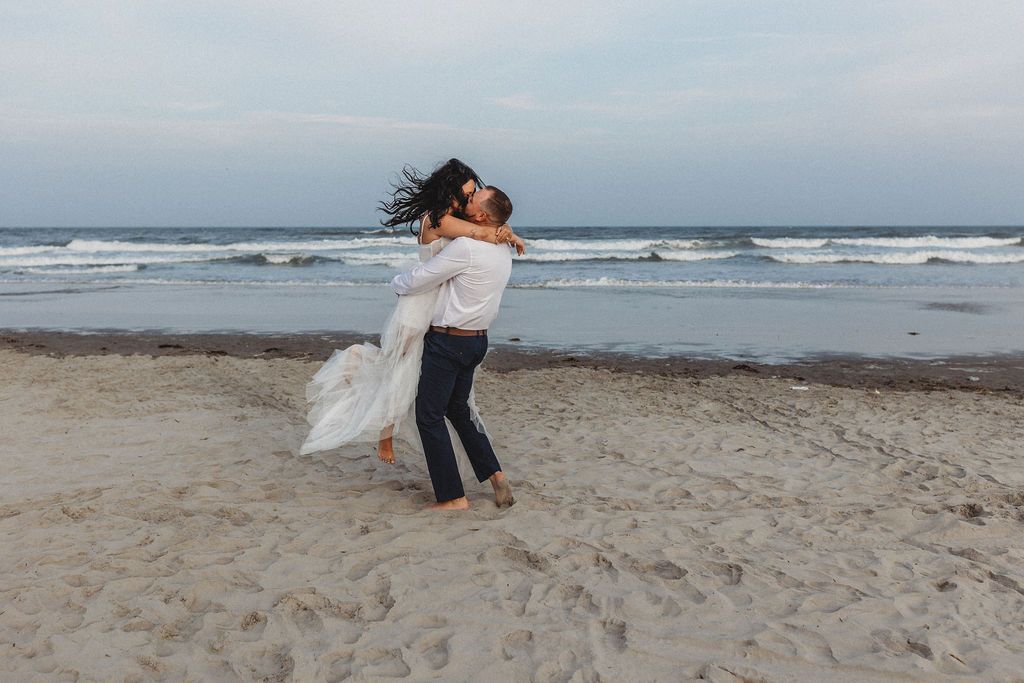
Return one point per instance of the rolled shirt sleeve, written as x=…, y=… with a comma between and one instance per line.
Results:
x=452, y=260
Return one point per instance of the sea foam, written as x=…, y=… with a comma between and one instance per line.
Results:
x=901, y=258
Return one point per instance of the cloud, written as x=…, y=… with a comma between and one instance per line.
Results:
x=195, y=107
x=204, y=127
x=522, y=101
x=634, y=105
x=344, y=121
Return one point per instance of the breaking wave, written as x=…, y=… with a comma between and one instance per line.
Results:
x=901, y=258
x=890, y=242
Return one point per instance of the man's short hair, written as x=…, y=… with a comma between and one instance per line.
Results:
x=497, y=205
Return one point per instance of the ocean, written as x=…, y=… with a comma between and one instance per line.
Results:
x=766, y=293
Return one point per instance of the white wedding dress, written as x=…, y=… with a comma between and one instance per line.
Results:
x=364, y=389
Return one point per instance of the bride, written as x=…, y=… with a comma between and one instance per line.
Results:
x=367, y=393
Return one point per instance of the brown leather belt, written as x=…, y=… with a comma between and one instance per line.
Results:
x=459, y=332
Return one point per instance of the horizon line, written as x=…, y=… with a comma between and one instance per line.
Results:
x=522, y=226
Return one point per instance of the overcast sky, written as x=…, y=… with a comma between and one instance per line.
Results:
x=746, y=112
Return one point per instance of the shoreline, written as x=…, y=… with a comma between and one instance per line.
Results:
x=1002, y=374
x=769, y=326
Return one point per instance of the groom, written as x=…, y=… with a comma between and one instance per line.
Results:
x=472, y=275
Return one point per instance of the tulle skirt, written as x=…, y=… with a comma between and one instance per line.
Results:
x=365, y=392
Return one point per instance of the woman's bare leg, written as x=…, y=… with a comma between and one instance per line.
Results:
x=384, y=449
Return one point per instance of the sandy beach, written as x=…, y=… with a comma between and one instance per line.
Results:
x=843, y=520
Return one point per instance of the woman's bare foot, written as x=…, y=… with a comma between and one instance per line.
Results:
x=385, y=452
x=454, y=504
x=502, y=490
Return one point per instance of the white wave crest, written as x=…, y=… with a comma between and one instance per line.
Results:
x=695, y=255
x=615, y=245
x=902, y=258
x=560, y=256
x=622, y=282
x=889, y=242
x=130, y=268
x=22, y=251
x=929, y=241
x=100, y=246
x=788, y=243
x=285, y=259
x=203, y=283
x=377, y=258
x=554, y=256
x=79, y=260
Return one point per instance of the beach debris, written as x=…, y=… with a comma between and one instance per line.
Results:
x=974, y=379
x=744, y=366
x=912, y=334
x=800, y=388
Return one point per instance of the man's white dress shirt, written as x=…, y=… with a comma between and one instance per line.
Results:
x=472, y=275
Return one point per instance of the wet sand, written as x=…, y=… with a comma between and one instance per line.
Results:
x=1002, y=374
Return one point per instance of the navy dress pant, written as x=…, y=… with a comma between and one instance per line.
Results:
x=446, y=378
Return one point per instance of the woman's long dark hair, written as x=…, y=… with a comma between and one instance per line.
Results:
x=431, y=195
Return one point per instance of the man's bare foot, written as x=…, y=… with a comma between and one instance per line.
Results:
x=385, y=452
x=502, y=490
x=454, y=504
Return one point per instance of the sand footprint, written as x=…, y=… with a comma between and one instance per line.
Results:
x=379, y=603
x=722, y=673
x=593, y=564
x=433, y=647
x=644, y=605
x=608, y=636
x=71, y=616
x=252, y=625
x=648, y=572
x=826, y=598
x=575, y=597
x=900, y=644
x=570, y=665
x=305, y=618
x=728, y=573
x=380, y=663
x=308, y=610
x=525, y=559
x=361, y=569
x=667, y=491
x=688, y=592
x=337, y=666
x=265, y=664
x=514, y=595
x=811, y=645
x=517, y=645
